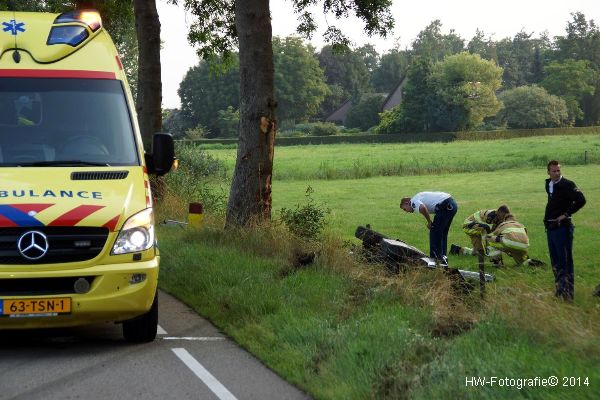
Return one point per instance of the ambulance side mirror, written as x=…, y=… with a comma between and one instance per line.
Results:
x=162, y=158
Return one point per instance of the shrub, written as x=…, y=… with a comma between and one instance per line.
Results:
x=350, y=130
x=390, y=121
x=191, y=180
x=532, y=107
x=304, y=128
x=324, y=129
x=196, y=133
x=305, y=221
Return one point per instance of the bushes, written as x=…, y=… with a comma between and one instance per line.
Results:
x=305, y=221
x=312, y=129
x=324, y=129
x=529, y=107
x=390, y=122
x=196, y=133
x=191, y=180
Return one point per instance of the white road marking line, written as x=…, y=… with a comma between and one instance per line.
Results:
x=206, y=377
x=160, y=330
x=200, y=338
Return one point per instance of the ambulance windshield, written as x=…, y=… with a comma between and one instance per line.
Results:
x=54, y=122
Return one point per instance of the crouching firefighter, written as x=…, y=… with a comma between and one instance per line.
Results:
x=510, y=237
x=476, y=226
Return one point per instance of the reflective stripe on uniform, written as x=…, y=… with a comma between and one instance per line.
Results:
x=514, y=245
x=514, y=230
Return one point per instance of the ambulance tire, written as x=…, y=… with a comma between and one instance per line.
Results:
x=142, y=329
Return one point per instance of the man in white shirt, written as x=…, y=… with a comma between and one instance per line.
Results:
x=443, y=206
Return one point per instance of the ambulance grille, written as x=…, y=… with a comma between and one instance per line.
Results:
x=98, y=175
x=66, y=244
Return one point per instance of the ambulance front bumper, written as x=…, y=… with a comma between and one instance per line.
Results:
x=117, y=292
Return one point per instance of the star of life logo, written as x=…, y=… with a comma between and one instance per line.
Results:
x=13, y=27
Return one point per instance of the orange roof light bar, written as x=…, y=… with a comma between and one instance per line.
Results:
x=91, y=18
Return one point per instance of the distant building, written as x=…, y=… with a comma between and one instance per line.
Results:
x=339, y=115
x=392, y=100
x=395, y=97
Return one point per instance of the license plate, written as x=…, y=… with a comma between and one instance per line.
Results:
x=35, y=307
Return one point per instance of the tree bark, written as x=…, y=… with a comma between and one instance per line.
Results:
x=149, y=96
x=250, y=194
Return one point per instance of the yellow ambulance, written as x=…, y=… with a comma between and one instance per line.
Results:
x=77, y=242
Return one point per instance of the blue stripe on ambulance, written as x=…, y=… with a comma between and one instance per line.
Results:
x=19, y=217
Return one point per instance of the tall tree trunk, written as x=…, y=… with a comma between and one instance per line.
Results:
x=250, y=194
x=149, y=96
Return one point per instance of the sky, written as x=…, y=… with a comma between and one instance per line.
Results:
x=497, y=19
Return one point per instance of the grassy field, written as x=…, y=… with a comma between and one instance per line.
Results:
x=376, y=201
x=340, y=329
x=355, y=161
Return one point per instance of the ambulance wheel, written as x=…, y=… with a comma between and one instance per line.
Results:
x=142, y=329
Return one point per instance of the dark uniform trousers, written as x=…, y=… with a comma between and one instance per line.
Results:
x=560, y=245
x=438, y=235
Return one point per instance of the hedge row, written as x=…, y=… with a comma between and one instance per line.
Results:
x=416, y=137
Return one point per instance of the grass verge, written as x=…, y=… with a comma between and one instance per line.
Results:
x=342, y=330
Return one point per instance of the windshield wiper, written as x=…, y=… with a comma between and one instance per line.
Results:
x=61, y=163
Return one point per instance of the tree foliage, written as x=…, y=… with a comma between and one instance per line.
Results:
x=346, y=69
x=520, y=58
x=582, y=42
x=215, y=32
x=431, y=43
x=365, y=113
x=390, y=69
x=228, y=122
x=204, y=91
x=483, y=46
x=573, y=81
x=299, y=86
x=413, y=114
x=529, y=107
x=466, y=88
x=299, y=81
x=457, y=93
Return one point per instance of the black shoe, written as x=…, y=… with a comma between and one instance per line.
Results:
x=535, y=263
x=454, y=249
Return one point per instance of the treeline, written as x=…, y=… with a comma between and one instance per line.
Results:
x=447, y=84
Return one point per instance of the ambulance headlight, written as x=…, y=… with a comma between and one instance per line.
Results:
x=137, y=233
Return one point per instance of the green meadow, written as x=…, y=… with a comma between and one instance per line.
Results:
x=355, y=161
x=343, y=329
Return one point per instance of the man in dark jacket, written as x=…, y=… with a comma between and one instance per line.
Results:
x=564, y=200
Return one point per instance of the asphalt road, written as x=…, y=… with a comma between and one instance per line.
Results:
x=190, y=359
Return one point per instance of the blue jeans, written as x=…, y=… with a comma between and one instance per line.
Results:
x=560, y=245
x=438, y=235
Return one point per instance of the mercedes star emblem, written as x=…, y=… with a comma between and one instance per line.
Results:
x=33, y=245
